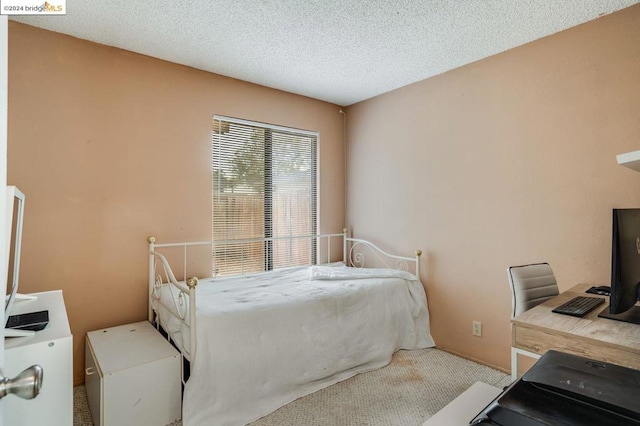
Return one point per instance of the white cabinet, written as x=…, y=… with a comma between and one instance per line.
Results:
x=51, y=348
x=132, y=376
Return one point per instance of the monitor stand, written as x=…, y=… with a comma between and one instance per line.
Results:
x=12, y=332
x=20, y=297
x=632, y=315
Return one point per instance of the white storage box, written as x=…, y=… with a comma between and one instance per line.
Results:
x=132, y=376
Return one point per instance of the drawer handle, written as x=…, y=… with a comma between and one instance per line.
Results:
x=89, y=371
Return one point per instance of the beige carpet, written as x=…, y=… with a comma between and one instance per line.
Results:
x=406, y=392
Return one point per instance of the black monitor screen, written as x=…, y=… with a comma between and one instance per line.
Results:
x=625, y=265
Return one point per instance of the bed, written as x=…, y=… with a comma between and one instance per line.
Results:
x=258, y=341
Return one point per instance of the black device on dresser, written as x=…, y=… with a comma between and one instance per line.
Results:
x=563, y=389
x=33, y=321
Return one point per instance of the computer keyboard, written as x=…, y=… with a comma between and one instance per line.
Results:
x=578, y=306
x=33, y=321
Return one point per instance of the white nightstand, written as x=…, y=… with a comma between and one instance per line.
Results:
x=51, y=348
x=132, y=376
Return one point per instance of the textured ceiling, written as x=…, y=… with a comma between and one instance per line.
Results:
x=340, y=51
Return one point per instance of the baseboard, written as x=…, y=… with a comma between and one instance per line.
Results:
x=478, y=361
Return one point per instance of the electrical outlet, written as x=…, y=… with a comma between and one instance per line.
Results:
x=477, y=328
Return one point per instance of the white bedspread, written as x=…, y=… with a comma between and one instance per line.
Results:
x=267, y=339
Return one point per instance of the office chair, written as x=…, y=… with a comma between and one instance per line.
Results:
x=530, y=285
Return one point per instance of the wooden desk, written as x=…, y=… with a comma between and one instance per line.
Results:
x=538, y=330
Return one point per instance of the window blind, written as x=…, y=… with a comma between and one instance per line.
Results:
x=264, y=186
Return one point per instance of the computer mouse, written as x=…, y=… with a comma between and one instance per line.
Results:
x=602, y=290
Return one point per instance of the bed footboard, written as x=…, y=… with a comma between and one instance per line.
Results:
x=183, y=301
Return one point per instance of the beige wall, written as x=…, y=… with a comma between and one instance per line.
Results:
x=110, y=147
x=506, y=161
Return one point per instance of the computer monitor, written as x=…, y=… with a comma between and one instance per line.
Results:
x=625, y=267
x=15, y=216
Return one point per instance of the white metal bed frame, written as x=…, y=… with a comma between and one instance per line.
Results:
x=354, y=251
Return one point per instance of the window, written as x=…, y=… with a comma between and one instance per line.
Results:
x=264, y=186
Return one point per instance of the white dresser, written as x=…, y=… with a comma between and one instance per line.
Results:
x=51, y=348
x=132, y=376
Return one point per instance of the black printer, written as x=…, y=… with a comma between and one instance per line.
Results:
x=563, y=389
